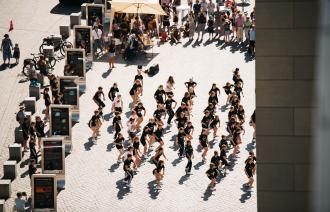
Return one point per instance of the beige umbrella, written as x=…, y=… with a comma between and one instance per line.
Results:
x=137, y=6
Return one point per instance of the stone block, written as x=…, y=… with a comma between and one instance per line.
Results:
x=5, y=189
x=2, y=205
x=303, y=13
x=275, y=42
x=10, y=169
x=275, y=177
x=303, y=120
x=30, y=104
x=99, y=2
x=274, y=121
x=268, y=12
x=302, y=178
x=65, y=31
x=285, y=93
x=34, y=91
x=15, y=152
x=283, y=201
x=75, y=19
x=284, y=149
x=83, y=11
x=304, y=67
x=274, y=68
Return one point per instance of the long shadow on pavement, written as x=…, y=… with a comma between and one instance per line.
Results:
x=62, y=9
x=246, y=194
x=114, y=167
x=89, y=144
x=110, y=146
x=123, y=190
x=207, y=194
x=152, y=189
x=107, y=73
x=176, y=161
x=199, y=164
x=183, y=179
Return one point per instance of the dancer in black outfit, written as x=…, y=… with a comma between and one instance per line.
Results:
x=112, y=92
x=97, y=97
x=128, y=170
x=189, y=155
x=191, y=87
x=212, y=175
x=169, y=108
x=119, y=145
x=203, y=141
x=116, y=123
x=159, y=172
x=223, y=158
x=180, y=141
x=159, y=113
x=215, y=125
x=160, y=95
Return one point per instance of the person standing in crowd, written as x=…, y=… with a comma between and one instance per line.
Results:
x=254, y=125
x=40, y=130
x=128, y=170
x=252, y=36
x=250, y=169
x=203, y=141
x=47, y=102
x=25, y=131
x=210, y=27
x=217, y=22
x=169, y=108
x=169, y=86
x=119, y=140
x=93, y=124
x=97, y=37
x=20, y=115
x=239, y=26
x=226, y=26
x=112, y=54
x=6, y=47
x=247, y=26
x=112, y=92
x=159, y=173
x=97, y=97
x=16, y=53
x=192, y=25
x=21, y=203
x=210, y=8
x=189, y=155
x=117, y=104
x=135, y=91
x=212, y=175
x=201, y=22
x=197, y=8
x=116, y=123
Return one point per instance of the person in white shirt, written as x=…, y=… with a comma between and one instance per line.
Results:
x=97, y=36
x=252, y=36
x=204, y=6
x=131, y=128
x=117, y=104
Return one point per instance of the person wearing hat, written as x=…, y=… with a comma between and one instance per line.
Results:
x=6, y=47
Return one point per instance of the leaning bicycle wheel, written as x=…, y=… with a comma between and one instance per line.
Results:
x=65, y=45
x=41, y=48
x=51, y=62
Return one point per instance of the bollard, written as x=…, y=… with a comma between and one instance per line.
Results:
x=75, y=19
x=83, y=11
x=15, y=152
x=65, y=31
x=2, y=205
x=99, y=2
x=34, y=91
x=19, y=135
x=10, y=169
x=30, y=104
x=5, y=189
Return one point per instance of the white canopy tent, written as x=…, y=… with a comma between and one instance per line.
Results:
x=135, y=6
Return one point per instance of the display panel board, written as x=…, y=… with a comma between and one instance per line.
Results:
x=53, y=156
x=60, y=121
x=44, y=192
x=93, y=12
x=83, y=38
x=69, y=87
x=75, y=63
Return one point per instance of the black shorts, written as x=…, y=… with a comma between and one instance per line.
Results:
x=249, y=174
x=166, y=23
x=252, y=43
x=119, y=146
x=169, y=93
x=143, y=141
x=131, y=134
x=203, y=144
x=132, y=92
x=224, y=162
x=211, y=177
x=118, y=109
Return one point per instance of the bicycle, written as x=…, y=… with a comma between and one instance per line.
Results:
x=50, y=61
x=57, y=42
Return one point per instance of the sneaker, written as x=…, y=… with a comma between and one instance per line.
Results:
x=158, y=188
x=124, y=181
x=189, y=173
x=118, y=161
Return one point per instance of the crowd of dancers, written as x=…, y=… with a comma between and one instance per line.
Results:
x=167, y=113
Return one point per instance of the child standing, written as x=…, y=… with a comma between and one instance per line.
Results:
x=16, y=53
